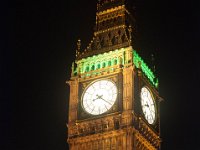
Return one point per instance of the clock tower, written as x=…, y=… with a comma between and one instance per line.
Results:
x=114, y=99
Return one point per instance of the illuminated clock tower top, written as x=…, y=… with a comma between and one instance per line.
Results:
x=113, y=29
x=114, y=102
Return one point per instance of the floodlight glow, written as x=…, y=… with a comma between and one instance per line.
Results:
x=139, y=63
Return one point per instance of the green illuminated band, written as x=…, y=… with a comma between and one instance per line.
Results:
x=100, y=61
x=139, y=63
x=109, y=60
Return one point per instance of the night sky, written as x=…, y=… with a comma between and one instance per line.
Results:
x=38, y=45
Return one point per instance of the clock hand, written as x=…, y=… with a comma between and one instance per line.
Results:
x=95, y=99
x=106, y=101
x=98, y=97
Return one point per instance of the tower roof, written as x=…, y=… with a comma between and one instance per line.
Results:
x=107, y=4
x=113, y=29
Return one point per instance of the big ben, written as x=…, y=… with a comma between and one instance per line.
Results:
x=114, y=100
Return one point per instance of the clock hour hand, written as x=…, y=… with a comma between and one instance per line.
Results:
x=98, y=97
x=95, y=99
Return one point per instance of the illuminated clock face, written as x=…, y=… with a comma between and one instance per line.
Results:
x=148, y=105
x=99, y=97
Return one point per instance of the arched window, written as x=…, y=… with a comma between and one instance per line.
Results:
x=104, y=65
x=87, y=69
x=109, y=63
x=98, y=66
x=93, y=67
x=115, y=62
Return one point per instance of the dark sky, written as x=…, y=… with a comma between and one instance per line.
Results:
x=38, y=45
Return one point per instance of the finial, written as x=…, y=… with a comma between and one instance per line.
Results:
x=153, y=62
x=98, y=4
x=78, y=47
x=130, y=33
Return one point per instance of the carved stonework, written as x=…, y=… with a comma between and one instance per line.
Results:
x=111, y=31
x=109, y=56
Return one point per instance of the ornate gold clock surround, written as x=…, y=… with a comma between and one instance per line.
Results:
x=117, y=107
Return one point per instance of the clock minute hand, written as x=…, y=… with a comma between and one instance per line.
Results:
x=106, y=101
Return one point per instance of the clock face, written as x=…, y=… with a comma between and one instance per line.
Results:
x=148, y=105
x=99, y=97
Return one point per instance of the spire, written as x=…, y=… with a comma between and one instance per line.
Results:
x=107, y=4
x=153, y=63
x=130, y=33
x=114, y=28
x=78, y=47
